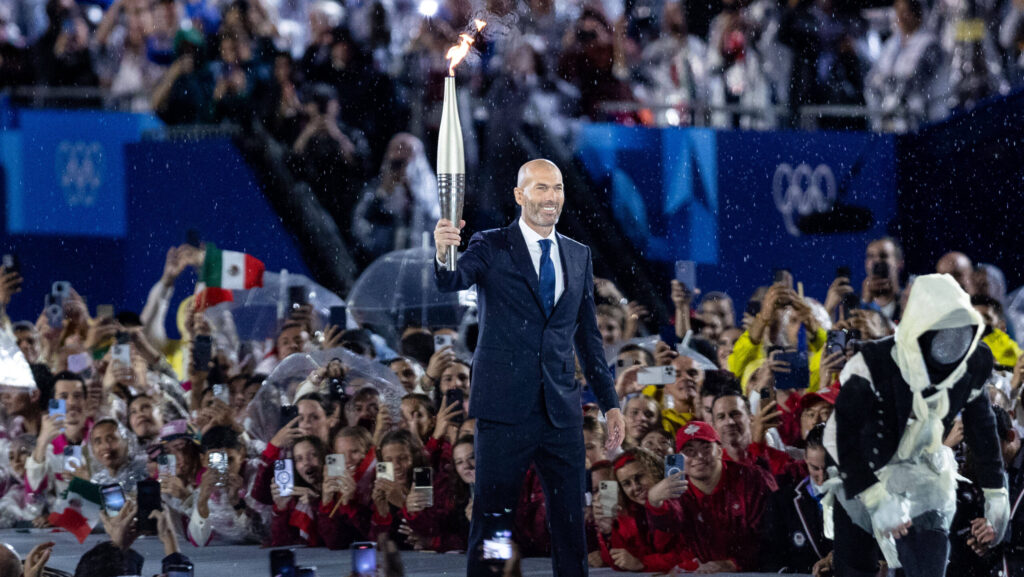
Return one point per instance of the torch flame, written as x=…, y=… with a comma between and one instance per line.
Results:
x=458, y=53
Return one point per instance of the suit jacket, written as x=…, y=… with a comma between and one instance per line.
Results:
x=522, y=353
x=872, y=411
x=793, y=531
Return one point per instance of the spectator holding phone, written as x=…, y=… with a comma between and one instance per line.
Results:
x=717, y=509
x=24, y=411
x=17, y=505
x=743, y=437
x=418, y=416
x=223, y=510
x=179, y=446
x=399, y=453
x=642, y=416
x=46, y=463
x=145, y=420
x=883, y=264
x=293, y=337
x=627, y=541
x=346, y=506
x=294, y=517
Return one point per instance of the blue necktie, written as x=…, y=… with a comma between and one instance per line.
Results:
x=547, y=276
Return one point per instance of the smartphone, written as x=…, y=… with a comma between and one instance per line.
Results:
x=386, y=471
x=782, y=276
x=167, y=464
x=336, y=390
x=113, y=497
x=766, y=394
x=364, y=559
x=836, y=342
x=217, y=461
x=851, y=302
x=442, y=341
x=282, y=563
x=105, y=311
x=54, y=311
x=499, y=547
x=423, y=482
x=61, y=290
x=339, y=317
x=674, y=464
x=288, y=414
x=179, y=570
x=880, y=269
x=79, y=363
x=608, y=495
x=72, y=458
x=753, y=308
x=336, y=465
x=657, y=376
x=457, y=397
x=843, y=272
x=284, y=476
x=192, y=237
x=298, y=296
x=58, y=407
x=686, y=273
x=148, y=495
x=799, y=374
x=121, y=353
x=10, y=263
x=202, y=352
x=222, y=393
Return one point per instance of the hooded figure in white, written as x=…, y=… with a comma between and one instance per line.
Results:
x=899, y=397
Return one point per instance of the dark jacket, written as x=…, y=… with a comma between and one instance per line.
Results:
x=793, y=535
x=521, y=352
x=872, y=411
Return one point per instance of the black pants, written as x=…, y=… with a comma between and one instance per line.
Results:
x=503, y=455
x=923, y=552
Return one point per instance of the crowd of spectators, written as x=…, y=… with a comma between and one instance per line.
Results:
x=750, y=389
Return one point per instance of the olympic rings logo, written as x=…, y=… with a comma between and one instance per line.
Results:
x=804, y=190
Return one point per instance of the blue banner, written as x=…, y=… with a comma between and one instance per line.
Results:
x=70, y=177
x=742, y=203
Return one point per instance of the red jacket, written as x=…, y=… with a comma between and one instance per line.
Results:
x=659, y=551
x=349, y=524
x=295, y=525
x=783, y=469
x=724, y=525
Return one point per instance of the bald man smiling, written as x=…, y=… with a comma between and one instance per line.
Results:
x=535, y=292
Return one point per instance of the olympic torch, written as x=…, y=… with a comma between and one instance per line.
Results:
x=451, y=158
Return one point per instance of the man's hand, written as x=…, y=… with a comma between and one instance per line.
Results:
x=439, y=363
x=983, y=536
x=823, y=566
x=767, y=417
x=616, y=430
x=444, y=419
x=37, y=558
x=446, y=235
x=671, y=487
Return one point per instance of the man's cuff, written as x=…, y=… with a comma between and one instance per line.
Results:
x=438, y=262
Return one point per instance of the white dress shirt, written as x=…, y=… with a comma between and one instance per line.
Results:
x=533, y=244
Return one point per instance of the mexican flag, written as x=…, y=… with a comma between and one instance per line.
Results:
x=78, y=510
x=230, y=270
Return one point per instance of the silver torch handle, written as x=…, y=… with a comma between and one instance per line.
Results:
x=451, y=190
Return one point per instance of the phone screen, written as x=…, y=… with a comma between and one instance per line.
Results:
x=202, y=352
x=456, y=397
x=113, y=498
x=364, y=559
x=423, y=477
x=339, y=317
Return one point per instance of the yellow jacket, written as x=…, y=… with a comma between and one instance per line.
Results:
x=1004, y=350
x=746, y=357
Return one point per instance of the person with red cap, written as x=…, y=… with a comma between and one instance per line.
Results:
x=627, y=541
x=816, y=408
x=717, y=508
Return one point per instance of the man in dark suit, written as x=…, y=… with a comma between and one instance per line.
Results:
x=535, y=292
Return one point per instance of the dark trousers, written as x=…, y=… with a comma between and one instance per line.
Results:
x=503, y=455
x=923, y=552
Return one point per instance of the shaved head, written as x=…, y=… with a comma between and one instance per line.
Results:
x=541, y=193
x=528, y=170
x=957, y=265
